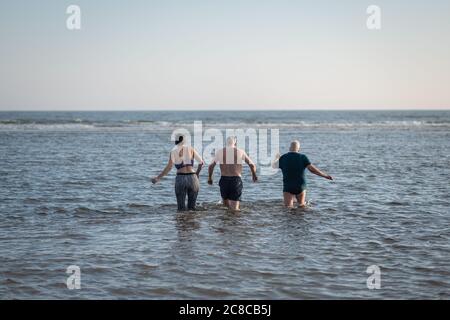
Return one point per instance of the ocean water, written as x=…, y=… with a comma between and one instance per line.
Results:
x=75, y=190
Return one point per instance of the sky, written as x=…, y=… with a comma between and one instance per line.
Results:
x=224, y=54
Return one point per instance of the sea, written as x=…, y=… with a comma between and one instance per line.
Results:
x=80, y=218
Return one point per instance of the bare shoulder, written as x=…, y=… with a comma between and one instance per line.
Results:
x=221, y=151
x=241, y=152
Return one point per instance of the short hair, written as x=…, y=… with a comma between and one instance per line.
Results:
x=231, y=140
x=295, y=144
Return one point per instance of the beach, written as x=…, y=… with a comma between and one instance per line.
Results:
x=75, y=190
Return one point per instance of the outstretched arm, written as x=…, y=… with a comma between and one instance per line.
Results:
x=316, y=171
x=276, y=161
x=252, y=167
x=164, y=172
x=210, y=172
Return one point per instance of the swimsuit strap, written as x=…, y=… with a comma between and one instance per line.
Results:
x=182, y=164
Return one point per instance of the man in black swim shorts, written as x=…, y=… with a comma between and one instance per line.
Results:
x=230, y=160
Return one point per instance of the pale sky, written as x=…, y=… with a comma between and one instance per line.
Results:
x=222, y=54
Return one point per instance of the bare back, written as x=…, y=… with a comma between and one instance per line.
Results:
x=183, y=158
x=230, y=160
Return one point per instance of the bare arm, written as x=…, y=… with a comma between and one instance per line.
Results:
x=199, y=160
x=199, y=168
x=252, y=167
x=210, y=172
x=276, y=162
x=164, y=172
x=316, y=171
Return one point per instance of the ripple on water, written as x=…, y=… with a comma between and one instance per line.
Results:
x=130, y=242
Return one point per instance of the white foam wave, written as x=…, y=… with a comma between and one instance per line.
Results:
x=166, y=125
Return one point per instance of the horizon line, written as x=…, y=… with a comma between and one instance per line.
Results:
x=224, y=110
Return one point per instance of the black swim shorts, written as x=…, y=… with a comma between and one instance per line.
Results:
x=297, y=189
x=231, y=188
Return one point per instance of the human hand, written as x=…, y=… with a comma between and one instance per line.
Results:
x=155, y=180
x=210, y=182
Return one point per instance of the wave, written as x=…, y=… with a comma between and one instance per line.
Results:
x=142, y=125
x=80, y=125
